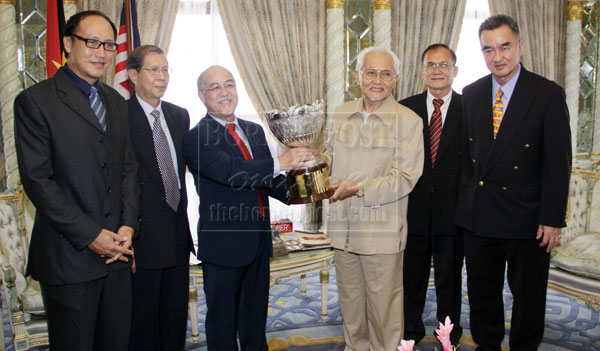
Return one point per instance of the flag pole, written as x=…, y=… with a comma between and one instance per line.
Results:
x=129, y=39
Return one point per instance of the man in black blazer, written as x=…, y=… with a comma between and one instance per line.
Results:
x=162, y=248
x=78, y=169
x=234, y=174
x=514, y=188
x=432, y=203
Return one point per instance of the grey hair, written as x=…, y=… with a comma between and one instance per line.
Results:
x=200, y=81
x=360, y=60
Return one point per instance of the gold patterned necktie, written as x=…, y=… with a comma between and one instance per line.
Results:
x=498, y=111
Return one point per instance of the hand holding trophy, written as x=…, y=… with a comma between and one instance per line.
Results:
x=301, y=126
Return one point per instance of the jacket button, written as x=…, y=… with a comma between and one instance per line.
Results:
x=504, y=188
x=516, y=168
x=471, y=139
x=481, y=183
x=103, y=165
x=474, y=160
x=109, y=190
x=527, y=146
x=107, y=214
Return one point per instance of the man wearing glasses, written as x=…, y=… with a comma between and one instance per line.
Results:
x=234, y=174
x=162, y=248
x=79, y=170
x=432, y=203
x=375, y=149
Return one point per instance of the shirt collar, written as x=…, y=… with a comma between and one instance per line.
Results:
x=147, y=107
x=84, y=86
x=446, y=98
x=224, y=123
x=507, y=88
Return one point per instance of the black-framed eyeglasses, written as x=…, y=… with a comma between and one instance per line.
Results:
x=95, y=43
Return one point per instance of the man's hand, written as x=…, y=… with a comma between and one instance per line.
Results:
x=111, y=245
x=343, y=189
x=294, y=156
x=127, y=232
x=551, y=236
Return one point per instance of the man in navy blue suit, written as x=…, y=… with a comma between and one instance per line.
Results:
x=234, y=174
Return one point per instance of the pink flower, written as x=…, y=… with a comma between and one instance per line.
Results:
x=406, y=345
x=443, y=334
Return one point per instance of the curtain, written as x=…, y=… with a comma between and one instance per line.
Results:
x=279, y=49
x=543, y=25
x=416, y=24
x=155, y=21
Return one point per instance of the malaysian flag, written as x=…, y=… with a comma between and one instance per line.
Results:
x=129, y=39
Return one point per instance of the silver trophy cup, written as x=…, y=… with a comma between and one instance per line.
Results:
x=300, y=126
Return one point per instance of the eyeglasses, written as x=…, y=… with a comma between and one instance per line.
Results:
x=430, y=66
x=371, y=74
x=95, y=43
x=156, y=70
x=216, y=87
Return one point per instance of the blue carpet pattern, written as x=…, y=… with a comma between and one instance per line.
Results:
x=294, y=322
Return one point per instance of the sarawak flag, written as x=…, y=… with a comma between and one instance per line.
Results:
x=55, y=23
x=129, y=39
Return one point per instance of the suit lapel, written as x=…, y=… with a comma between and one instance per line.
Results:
x=451, y=125
x=483, y=120
x=141, y=135
x=421, y=109
x=74, y=98
x=512, y=119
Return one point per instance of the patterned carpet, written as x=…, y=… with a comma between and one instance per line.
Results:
x=294, y=322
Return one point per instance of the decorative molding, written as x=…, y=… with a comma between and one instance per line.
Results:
x=335, y=4
x=9, y=88
x=382, y=4
x=70, y=2
x=574, y=11
x=7, y=2
x=572, y=56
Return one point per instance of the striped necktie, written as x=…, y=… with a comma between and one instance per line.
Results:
x=498, y=111
x=98, y=107
x=435, y=129
x=165, y=163
x=247, y=156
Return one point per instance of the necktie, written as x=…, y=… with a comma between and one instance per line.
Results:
x=98, y=107
x=498, y=111
x=165, y=163
x=435, y=129
x=231, y=129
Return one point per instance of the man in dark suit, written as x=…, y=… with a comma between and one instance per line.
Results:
x=234, y=174
x=162, y=248
x=78, y=169
x=432, y=203
x=514, y=188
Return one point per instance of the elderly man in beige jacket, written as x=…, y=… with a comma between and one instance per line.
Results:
x=375, y=149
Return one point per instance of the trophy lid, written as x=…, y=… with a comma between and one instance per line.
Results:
x=299, y=126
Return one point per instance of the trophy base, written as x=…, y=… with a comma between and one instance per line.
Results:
x=309, y=184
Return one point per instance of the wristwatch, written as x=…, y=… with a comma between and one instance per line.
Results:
x=361, y=190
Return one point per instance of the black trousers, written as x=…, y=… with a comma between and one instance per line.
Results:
x=236, y=301
x=448, y=254
x=526, y=265
x=94, y=315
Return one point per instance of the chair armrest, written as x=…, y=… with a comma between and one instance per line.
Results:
x=9, y=279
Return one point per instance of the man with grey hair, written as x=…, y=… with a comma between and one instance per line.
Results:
x=375, y=149
x=162, y=248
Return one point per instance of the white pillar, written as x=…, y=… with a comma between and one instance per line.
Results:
x=335, y=54
x=9, y=87
x=572, y=60
x=382, y=21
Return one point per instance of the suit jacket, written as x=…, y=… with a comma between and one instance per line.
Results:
x=160, y=228
x=520, y=180
x=80, y=178
x=230, y=228
x=386, y=155
x=432, y=203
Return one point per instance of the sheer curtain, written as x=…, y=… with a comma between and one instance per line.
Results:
x=155, y=20
x=543, y=25
x=415, y=25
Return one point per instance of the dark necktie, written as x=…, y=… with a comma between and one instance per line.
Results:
x=435, y=129
x=98, y=107
x=231, y=129
x=165, y=163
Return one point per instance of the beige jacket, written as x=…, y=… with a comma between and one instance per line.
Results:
x=386, y=155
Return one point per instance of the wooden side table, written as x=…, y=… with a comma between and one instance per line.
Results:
x=295, y=264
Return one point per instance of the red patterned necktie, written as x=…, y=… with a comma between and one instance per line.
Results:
x=435, y=129
x=231, y=129
x=498, y=111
